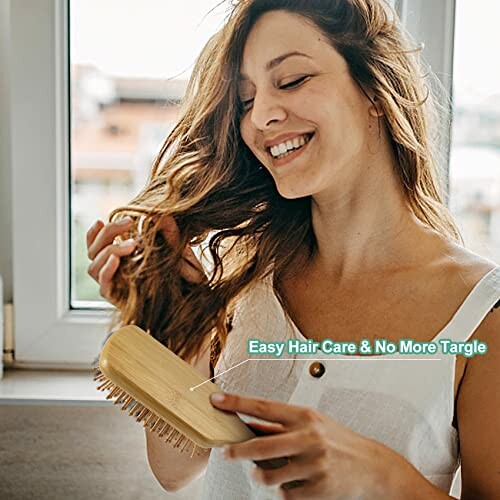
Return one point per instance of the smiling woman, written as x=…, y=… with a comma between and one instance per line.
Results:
x=306, y=150
x=320, y=105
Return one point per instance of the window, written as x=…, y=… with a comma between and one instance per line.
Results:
x=475, y=144
x=95, y=89
x=125, y=95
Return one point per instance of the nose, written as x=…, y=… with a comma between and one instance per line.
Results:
x=265, y=110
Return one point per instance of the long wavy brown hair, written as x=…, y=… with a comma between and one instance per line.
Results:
x=210, y=182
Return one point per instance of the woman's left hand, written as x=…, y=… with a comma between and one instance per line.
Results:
x=333, y=461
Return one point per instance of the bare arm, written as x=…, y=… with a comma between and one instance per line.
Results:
x=171, y=468
x=174, y=469
x=478, y=409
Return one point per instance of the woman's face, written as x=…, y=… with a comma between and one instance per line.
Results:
x=310, y=99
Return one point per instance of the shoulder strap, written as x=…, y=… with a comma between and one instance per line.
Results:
x=483, y=298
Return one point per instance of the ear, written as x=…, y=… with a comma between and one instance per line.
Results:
x=375, y=109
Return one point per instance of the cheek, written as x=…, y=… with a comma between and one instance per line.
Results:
x=246, y=139
x=246, y=133
x=248, y=136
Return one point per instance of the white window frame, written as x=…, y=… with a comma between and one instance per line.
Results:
x=47, y=332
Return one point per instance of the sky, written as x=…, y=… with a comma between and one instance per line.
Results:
x=142, y=38
x=161, y=39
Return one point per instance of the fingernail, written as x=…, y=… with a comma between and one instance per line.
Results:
x=226, y=452
x=217, y=397
x=125, y=221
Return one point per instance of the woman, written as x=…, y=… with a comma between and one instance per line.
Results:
x=306, y=146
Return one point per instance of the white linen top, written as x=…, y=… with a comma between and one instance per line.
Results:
x=405, y=401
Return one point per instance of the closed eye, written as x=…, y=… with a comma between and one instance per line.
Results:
x=293, y=84
x=246, y=104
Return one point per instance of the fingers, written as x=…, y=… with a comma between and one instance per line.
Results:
x=118, y=250
x=308, y=490
x=105, y=277
x=100, y=248
x=263, y=428
x=273, y=411
x=293, y=471
x=93, y=231
x=170, y=229
x=104, y=255
x=98, y=239
x=286, y=444
x=190, y=267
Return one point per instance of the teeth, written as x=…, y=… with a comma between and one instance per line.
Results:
x=284, y=154
x=284, y=147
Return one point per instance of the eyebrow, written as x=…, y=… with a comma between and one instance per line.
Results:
x=276, y=61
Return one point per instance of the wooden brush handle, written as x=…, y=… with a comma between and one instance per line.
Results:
x=274, y=463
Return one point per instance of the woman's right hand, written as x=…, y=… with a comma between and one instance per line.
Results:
x=105, y=255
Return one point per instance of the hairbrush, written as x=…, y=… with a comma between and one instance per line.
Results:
x=168, y=395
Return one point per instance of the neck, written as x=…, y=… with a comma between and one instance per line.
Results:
x=367, y=227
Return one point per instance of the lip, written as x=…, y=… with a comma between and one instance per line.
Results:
x=278, y=162
x=283, y=138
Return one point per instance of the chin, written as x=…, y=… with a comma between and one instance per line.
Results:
x=291, y=192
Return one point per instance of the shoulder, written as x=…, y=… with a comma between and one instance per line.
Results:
x=478, y=404
x=466, y=264
x=451, y=273
x=468, y=269
x=455, y=270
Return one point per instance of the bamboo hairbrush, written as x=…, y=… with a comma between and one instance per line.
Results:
x=154, y=384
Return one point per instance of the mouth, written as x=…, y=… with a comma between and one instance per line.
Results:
x=290, y=154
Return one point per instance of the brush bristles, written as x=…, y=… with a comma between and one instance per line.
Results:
x=149, y=419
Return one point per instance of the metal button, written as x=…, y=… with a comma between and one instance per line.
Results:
x=317, y=369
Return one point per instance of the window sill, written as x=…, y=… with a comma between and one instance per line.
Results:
x=50, y=387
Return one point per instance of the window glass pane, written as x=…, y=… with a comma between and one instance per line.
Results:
x=475, y=148
x=129, y=65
